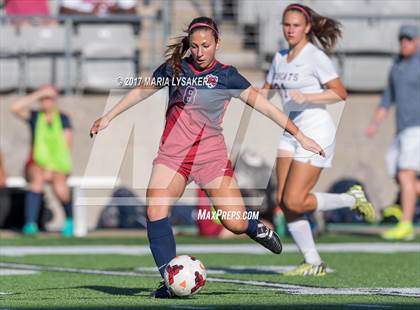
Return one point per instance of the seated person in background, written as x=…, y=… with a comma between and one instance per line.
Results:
x=101, y=8
x=28, y=8
x=49, y=159
x=2, y=173
x=4, y=195
x=98, y=7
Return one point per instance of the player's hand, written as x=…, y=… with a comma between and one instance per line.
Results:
x=310, y=145
x=99, y=124
x=371, y=130
x=297, y=96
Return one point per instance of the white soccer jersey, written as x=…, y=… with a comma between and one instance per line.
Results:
x=307, y=72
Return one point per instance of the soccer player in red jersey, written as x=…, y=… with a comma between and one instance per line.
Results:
x=192, y=146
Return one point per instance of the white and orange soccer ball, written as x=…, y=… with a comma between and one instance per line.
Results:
x=185, y=275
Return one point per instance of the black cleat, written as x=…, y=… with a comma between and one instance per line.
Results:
x=162, y=292
x=268, y=238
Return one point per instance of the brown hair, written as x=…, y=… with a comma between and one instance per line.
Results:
x=324, y=30
x=175, y=52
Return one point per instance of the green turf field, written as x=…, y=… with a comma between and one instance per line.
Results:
x=249, y=281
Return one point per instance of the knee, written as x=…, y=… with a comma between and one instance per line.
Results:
x=405, y=176
x=37, y=185
x=293, y=202
x=279, y=199
x=62, y=192
x=155, y=213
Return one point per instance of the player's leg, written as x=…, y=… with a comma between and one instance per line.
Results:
x=283, y=163
x=354, y=198
x=297, y=200
x=165, y=188
x=63, y=193
x=33, y=198
x=408, y=166
x=408, y=197
x=227, y=200
x=408, y=179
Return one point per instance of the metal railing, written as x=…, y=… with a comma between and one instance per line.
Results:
x=70, y=23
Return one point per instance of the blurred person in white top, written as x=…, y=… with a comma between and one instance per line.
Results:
x=307, y=82
x=98, y=7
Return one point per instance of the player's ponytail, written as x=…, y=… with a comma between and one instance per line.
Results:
x=324, y=30
x=175, y=52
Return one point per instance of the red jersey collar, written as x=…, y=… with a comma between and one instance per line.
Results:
x=193, y=69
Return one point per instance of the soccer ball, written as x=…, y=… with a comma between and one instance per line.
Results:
x=185, y=275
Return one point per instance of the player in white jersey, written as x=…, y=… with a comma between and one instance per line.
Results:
x=307, y=81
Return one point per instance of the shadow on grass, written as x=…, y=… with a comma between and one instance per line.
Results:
x=112, y=290
x=185, y=305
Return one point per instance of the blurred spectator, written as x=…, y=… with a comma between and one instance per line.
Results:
x=124, y=210
x=2, y=173
x=98, y=7
x=28, y=8
x=49, y=159
x=4, y=195
x=403, y=158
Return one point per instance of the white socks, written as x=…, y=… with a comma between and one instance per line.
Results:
x=301, y=230
x=326, y=201
x=302, y=234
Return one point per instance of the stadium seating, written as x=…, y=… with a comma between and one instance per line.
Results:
x=106, y=40
x=370, y=34
x=9, y=58
x=365, y=73
x=45, y=40
x=102, y=75
x=9, y=43
x=341, y=7
x=74, y=74
x=9, y=74
x=400, y=7
x=107, y=51
x=34, y=56
x=38, y=72
x=42, y=47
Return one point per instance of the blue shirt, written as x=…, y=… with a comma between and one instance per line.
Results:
x=403, y=90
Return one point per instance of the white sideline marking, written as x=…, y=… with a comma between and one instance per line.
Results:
x=75, y=270
x=239, y=269
x=191, y=307
x=379, y=247
x=291, y=289
x=367, y=306
x=310, y=290
x=16, y=272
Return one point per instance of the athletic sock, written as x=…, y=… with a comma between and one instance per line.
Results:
x=68, y=208
x=326, y=201
x=162, y=242
x=32, y=206
x=252, y=228
x=302, y=234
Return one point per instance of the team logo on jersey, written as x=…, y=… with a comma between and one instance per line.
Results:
x=211, y=80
